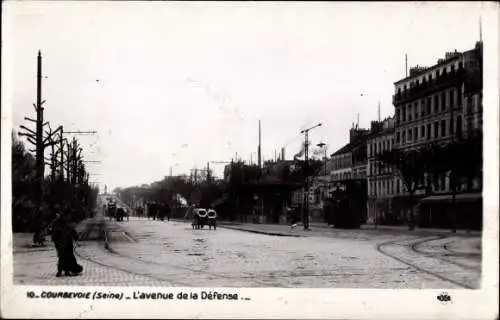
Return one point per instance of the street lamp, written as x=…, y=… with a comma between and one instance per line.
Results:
x=306, y=171
x=323, y=145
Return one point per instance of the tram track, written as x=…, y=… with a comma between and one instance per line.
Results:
x=109, y=249
x=88, y=230
x=382, y=248
x=415, y=247
x=195, y=271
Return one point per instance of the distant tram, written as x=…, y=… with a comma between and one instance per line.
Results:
x=346, y=205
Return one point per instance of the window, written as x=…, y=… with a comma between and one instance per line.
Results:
x=469, y=124
x=415, y=112
x=443, y=128
x=428, y=131
x=409, y=134
x=397, y=137
x=459, y=126
x=404, y=137
x=422, y=131
x=436, y=129
x=398, y=114
x=435, y=104
x=443, y=182
x=403, y=110
x=452, y=98
x=450, y=128
x=408, y=111
x=443, y=101
x=429, y=104
x=398, y=186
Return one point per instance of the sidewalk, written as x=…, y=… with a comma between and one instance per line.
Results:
x=38, y=265
x=320, y=229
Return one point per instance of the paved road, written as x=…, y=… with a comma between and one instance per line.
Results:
x=172, y=254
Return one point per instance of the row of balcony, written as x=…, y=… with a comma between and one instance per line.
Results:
x=445, y=80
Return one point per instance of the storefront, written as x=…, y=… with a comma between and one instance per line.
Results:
x=439, y=211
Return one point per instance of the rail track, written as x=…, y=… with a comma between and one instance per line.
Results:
x=382, y=248
x=101, y=229
x=107, y=247
x=415, y=247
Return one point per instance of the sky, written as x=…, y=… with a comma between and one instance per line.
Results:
x=172, y=86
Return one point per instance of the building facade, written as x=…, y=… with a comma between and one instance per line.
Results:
x=349, y=163
x=381, y=180
x=438, y=104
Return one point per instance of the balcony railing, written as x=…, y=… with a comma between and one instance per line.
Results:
x=443, y=81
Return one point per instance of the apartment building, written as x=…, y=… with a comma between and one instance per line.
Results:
x=381, y=180
x=437, y=104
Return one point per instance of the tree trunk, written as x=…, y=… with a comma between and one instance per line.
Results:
x=411, y=218
x=452, y=213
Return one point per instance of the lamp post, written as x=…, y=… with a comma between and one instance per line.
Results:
x=323, y=196
x=323, y=145
x=306, y=172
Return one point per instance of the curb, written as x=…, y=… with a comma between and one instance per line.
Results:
x=107, y=241
x=263, y=232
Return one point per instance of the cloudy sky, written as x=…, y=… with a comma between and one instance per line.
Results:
x=180, y=84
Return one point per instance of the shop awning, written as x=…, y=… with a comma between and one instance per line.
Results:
x=462, y=197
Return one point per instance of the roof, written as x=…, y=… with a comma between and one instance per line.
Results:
x=350, y=146
x=384, y=132
x=345, y=149
x=431, y=68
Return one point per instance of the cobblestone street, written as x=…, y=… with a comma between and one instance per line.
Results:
x=155, y=253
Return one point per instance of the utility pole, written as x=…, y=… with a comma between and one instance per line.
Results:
x=70, y=155
x=37, y=137
x=406, y=65
x=306, y=172
x=259, y=154
x=259, y=189
x=40, y=166
x=61, y=150
x=379, y=111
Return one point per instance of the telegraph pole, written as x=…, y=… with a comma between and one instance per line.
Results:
x=70, y=155
x=40, y=166
x=37, y=137
x=306, y=172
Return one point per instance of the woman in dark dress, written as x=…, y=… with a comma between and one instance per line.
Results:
x=63, y=235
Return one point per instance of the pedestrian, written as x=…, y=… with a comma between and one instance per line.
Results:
x=63, y=235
